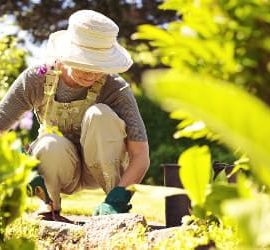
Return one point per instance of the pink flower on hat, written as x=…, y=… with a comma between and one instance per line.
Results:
x=42, y=70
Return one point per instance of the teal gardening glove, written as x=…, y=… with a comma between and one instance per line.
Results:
x=116, y=202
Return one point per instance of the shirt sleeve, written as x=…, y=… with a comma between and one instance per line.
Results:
x=21, y=97
x=121, y=99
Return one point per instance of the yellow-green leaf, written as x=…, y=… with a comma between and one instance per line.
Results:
x=195, y=167
x=241, y=120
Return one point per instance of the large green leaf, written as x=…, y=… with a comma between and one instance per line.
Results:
x=195, y=168
x=240, y=119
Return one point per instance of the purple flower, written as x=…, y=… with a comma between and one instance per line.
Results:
x=42, y=70
x=27, y=121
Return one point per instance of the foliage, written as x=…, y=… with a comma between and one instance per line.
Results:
x=192, y=234
x=205, y=192
x=227, y=39
x=236, y=132
x=216, y=49
x=16, y=244
x=164, y=148
x=133, y=239
x=30, y=15
x=15, y=166
x=236, y=119
x=176, y=46
x=14, y=176
x=195, y=233
x=12, y=61
x=23, y=228
x=195, y=173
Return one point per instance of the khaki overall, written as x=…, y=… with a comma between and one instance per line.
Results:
x=91, y=153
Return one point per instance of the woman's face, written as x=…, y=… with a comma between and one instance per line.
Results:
x=84, y=78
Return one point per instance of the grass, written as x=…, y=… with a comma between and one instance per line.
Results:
x=83, y=203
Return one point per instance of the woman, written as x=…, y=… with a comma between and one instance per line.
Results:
x=100, y=140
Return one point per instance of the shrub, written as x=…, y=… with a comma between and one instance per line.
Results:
x=163, y=147
x=15, y=169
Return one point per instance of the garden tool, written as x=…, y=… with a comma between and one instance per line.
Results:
x=37, y=187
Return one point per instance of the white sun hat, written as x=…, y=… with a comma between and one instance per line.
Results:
x=90, y=44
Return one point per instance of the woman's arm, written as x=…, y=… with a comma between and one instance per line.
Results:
x=20, y=98
x=138, y=163
x=118, y=95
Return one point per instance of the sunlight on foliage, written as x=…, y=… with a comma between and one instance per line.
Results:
x=191, y=128
x=15, y=172
x=195, y=168
x=196, y=232
x=237, y=117
x=253, y=217
x=12, y=61
x=218, y=52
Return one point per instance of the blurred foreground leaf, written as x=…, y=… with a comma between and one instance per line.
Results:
x=253, y=217
x=195, y=169
x=241, y=120
x=21, y=244
x=15, y=173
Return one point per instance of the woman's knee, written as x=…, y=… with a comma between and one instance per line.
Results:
x=98, y=112
x=59, y=161
x=100, y=117
x=50, y=145
x=54, y=150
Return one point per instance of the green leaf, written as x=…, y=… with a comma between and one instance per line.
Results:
x=240, y=119
x=195, y=130
x=219, y=193
x=245, y=186
x=195, y=168
x=150, y=32
x=221, y=177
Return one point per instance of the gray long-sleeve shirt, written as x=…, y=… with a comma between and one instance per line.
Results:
x=26, y=93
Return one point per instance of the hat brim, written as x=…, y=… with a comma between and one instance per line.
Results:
x=113, y=60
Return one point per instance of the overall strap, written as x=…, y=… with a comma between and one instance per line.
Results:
x=50, y=85
x=94, y=91
x=51, y=81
